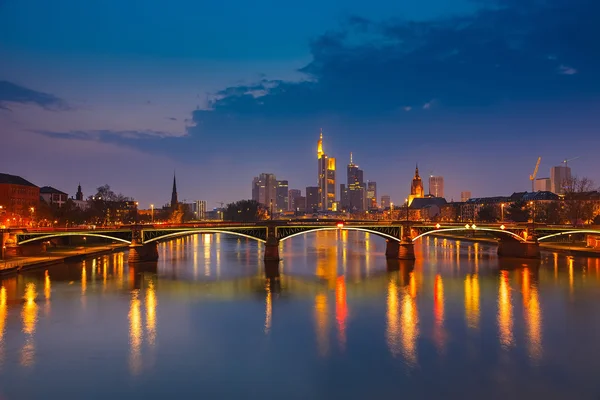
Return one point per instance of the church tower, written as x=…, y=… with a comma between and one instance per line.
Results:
x=174, y=202
x=79, y=194
x=416, y=187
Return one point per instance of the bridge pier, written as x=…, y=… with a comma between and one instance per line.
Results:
x=142, y=252
x=272, y=249
x=514, y=249
x=404, y=250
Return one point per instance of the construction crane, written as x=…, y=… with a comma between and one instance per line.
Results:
x=220, y=203
x=535, y=171
x=566, y=162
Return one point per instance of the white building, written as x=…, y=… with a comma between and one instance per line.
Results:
x=464, y=196
x=199, y=209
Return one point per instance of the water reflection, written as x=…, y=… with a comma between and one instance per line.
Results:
x=410, y=324
x=135, y=333
x=533, y=314
x=472, y=301
x=322, y=324
x=151, y=313
x=438, y=311
x=505, y=317
x=268, y=306
x=393, y=337
x=29, y=316
x=341, y=310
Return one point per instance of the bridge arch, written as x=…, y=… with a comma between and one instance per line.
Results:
x=345, y=228
x=568, y=233
x=63, y=234
x=498, y=232
x=199, y=232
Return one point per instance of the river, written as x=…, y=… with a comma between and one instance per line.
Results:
x=338, y=322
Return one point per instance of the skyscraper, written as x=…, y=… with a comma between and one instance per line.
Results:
x=282, y=196
x=174, y=201
x=312, y=199
x=199, y=209
x=264, y=189
x=558, y=176
x=464, y=196
x=371, y=194
x=416, y=187
x=385, y=201
x=436, y=186
x=292, y=194
x=353, y=198
x=326, y=178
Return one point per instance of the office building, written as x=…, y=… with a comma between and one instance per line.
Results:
x=300, y=204
x=199, y=209
x=542, y=185
x=371, y=195
x=436, y=186
x=312, y=199
x=282, y=196
x=292, y=195
x=326, y=169
x=558, y=176
x=264, y=189
x=464, y=196
x=352, y=195
x=385, y=201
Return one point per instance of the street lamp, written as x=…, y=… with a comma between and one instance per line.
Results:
x=532, y=204
x=152, y=207
x=502, y=207
x=406, y=200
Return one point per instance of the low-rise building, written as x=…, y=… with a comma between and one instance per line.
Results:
x=18, y=197
x=53, y=196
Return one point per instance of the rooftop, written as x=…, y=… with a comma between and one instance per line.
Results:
x=14, y=180
x=50, y=190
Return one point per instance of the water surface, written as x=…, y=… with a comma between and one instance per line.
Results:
x=338, y=322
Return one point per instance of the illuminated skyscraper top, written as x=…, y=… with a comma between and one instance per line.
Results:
x=320, y=146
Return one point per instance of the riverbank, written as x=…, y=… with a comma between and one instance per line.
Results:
x=55, y=256
x=568, y=248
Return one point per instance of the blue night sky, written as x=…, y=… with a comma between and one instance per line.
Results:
x=126, y=91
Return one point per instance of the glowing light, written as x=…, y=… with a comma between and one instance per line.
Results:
x=437, y=226
x=3, y=316
x=341, y=310
x=474, y=226
x=472, y=301
x=467, y=226
x=268, y=307
x=410, y=329
x=393, y=321
x=571, y=280
x=502, y=227
x=505, y=322
x=29, y=316
x=340, y=225
x=135, y=333
x=151, y=303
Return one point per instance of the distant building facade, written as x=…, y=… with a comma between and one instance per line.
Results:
x=371, y=196
x=385, y=202
x=18, y=195
x=282, y=196
x=264, y=189
x=464, y=196
x=199, y=209
x=542, y=185
x=416, y=187
x=53, y=196
x=312, y=199
x=436, y=186
x=292, y=195
x=558, y=176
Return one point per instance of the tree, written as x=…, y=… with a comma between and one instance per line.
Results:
x=597, y=220
x=487, y=213
x=244, y=211
x=551, y=213
x=518, y=211
x=578, y=207
x=106, y=194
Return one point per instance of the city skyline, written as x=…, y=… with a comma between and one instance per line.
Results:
x=457, y=100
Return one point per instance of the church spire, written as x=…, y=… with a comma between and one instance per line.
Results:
x=174, y=201
x=417, y=171
x=79, y=194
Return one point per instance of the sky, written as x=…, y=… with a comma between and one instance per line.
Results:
x=127, y=92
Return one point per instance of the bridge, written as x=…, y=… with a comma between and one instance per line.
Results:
x=514, y=240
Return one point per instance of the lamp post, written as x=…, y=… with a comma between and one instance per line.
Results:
x=406, y=200
x=32, y=209
x=532, y=204
x=502, y=208
x=152, y=208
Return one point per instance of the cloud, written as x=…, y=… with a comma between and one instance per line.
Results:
x=508, y=51
x=108, y=135
x=13, y=93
